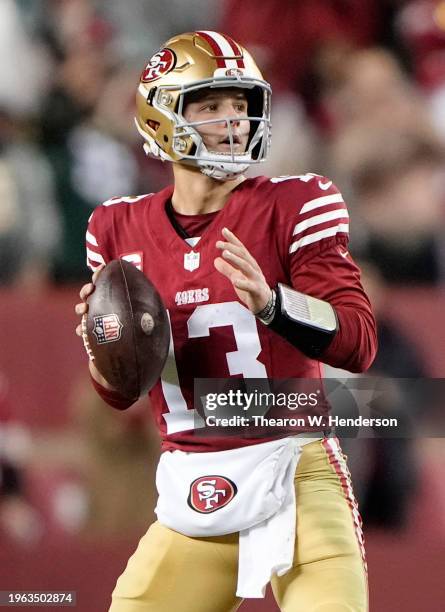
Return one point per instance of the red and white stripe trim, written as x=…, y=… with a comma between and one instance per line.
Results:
x=317, y=236
x=320, y=218
x=338, y=462
x=91, y=239
x=227, y=52
x=94, y=259
x=335, y=198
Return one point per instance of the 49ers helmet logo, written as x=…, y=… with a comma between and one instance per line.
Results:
x=210, y=493
x=161, y=63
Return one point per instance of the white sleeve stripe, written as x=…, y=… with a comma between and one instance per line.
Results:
x=335, y=198
x=316, y=236
x=95, y=256
x=91, y=266
x=329, y=216
x=91, y=239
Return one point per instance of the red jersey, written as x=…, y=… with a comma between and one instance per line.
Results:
x=297, y=230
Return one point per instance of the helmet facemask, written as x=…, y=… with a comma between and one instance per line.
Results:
x=225, y=165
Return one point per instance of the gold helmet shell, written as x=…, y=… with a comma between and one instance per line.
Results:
x=187, y=63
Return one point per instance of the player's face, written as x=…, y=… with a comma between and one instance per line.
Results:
x=216, y=105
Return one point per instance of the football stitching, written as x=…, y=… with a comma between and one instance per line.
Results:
x=132, y=327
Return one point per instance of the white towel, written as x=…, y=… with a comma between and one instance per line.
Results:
x=268, y=547
x=262, y=508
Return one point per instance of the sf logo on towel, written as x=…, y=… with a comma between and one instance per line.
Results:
x=210, y=493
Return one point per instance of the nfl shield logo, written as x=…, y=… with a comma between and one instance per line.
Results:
x=107, y=328
x=191, y=261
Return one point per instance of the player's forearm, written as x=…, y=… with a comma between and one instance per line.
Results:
x=332, y=275
x=355, y=344
x=342, y=335
x=106, y=391
x=97, y=376
x=308, y=323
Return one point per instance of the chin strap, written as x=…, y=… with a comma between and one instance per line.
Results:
x=223, y=172
x=218, y=170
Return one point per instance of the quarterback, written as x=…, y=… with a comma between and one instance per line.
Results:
x=258, y=283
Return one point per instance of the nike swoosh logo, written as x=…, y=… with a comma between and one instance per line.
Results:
x=324, y=186
x=344, y=253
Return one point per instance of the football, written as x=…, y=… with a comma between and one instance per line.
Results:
x=127, y=328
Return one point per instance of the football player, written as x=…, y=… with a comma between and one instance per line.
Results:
x=258, y=283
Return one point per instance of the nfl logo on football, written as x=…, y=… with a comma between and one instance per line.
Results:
x=107, y=328
x=191, y=261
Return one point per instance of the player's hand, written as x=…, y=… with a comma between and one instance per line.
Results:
x=82, y=308
x=238, y=265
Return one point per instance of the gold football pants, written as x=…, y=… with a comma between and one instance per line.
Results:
x=172, y=572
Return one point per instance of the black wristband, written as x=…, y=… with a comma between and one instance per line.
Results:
x=307, y=323
x=267, y=313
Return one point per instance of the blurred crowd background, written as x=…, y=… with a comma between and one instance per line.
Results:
x=358, y=95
